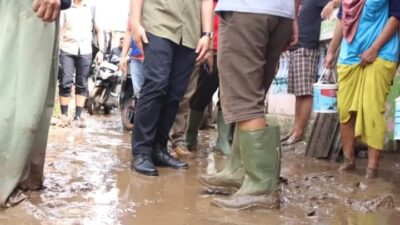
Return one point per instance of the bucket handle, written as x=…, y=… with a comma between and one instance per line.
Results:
x=324, y=72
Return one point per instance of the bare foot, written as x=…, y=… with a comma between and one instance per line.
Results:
x=371, y=173
x=348, y=165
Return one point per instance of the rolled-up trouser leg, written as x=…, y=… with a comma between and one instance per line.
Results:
x=247, y=75
x=82, y=66
x=24, y=87
x=66, y=78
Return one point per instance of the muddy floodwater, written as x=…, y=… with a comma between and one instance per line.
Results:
x=89, y=182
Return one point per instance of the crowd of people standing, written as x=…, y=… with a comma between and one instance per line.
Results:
x=177, y=63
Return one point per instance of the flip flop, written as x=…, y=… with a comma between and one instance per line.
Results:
x=286, y=136
x=292, y=140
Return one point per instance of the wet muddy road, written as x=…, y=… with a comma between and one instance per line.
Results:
x=89, y=182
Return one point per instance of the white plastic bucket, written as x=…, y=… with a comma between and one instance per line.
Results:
x=325, y=96
x=397, y=119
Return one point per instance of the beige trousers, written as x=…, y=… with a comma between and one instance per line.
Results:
x=177, y=134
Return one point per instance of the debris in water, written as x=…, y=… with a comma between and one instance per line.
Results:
x=370, y=205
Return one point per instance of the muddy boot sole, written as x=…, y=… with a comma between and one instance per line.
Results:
x=268, y=201
x=222, y=189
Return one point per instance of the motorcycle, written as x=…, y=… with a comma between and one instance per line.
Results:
x=127, y=103
x=105, y=93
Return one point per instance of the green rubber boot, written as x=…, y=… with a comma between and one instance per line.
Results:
x=194, y=121
x=223, y=144
x=228, y=180
x=261, y=154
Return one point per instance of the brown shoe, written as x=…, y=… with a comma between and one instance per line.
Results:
x=371, y=173
x=181, y=152
x=348, y=165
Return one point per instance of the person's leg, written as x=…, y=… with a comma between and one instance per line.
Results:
x=304, y=104
x=348, y=144
x=291, y=90
x=66, y=80
x=177, y=134
x=82, y=65
x=137, y=76
x=33, y=177
x=371, y=126
x=182, y=67
x=206, y=88
x=302, y=75
x=24, y=78
x=207, y=85
x=156, y=70
x=297, y=113
x=246, y=81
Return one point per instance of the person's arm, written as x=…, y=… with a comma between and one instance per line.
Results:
x=334, y=45
x=62, y=25
x=370, y=55
x=207, y=15
x=138, y=31
x=47, y=10
x=124, y=53
x=295, y=34
x=328, y=9
x=100, y=38
x=100, y=41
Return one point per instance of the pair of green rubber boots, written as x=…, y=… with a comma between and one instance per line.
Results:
x=195, y=117
x=252, y=172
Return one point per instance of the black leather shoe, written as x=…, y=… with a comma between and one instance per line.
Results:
x=143, y=164
x=162, y=158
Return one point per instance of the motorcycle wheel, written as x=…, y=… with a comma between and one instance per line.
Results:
x=91, y=101
x=107, y=110
x=128, y=115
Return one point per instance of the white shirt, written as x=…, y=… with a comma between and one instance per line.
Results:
x=76, y=29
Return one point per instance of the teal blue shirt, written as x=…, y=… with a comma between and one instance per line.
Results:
x=374, y=17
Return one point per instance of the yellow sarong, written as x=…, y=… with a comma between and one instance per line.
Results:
x=363, y=91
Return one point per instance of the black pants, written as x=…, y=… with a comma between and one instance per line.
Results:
x=167, y=69
x=70, y=65
x=206, y=86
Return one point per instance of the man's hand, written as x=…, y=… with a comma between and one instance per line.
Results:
x=47, y=10
x=202, y=48
x=99, y=57
x=123, y=65
x=369, y=56
x=139, y=36
x=328, y=10
x=329, y=59
x=295, y=35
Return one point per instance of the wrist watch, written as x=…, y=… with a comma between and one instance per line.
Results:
x=208, y=34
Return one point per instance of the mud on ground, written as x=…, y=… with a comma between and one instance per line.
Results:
x=89, y=181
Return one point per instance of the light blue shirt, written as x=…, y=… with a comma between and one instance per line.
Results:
x=374, y=17
x=282, y=8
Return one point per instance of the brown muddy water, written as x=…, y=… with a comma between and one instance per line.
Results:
x=89, y=182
